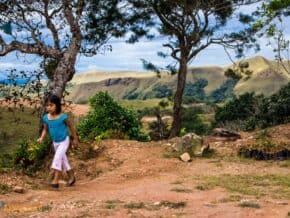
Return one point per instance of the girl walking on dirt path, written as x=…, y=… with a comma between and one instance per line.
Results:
x=57, y=124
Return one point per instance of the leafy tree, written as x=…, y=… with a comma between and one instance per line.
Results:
x=226, y=91
x=250, y=112
x=59, y=30
x=196, y=89
x=107, y=117
x=239, y=108
x=191, y=27
x=270, y=23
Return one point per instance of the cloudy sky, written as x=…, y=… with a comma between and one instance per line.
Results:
x=125, y=56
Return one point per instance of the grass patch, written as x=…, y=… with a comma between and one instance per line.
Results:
x=135, y=205
x=15, y=126
x=45, y=208
x=285, y=163
x=140, y=104
x=177, y=182
x=173, y=205
x=112, y=204
x=275, y=186
x=231, y=198
x=249, y=204
x=172, y=154
x=183, y=190
x=202, y=187
x=155, y=206
x=4, y=189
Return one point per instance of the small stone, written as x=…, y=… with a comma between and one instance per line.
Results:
x=210, y=205
x=2, y=204
x=18, y=189
x=185, y=157
x=282, y=203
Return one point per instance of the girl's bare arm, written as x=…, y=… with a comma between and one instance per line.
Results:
x=73, y=132
x=43, y=133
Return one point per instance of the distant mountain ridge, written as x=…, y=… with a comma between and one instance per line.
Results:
x=202, y=82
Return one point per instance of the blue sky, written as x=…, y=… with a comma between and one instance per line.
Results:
x=126, y=57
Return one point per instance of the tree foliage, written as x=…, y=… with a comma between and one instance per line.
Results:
x=192, y=26
x=59, y=30
x=250, y=111
x=271, y=22
x=108, y=117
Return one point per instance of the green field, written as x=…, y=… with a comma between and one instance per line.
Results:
x=140, y=104
x=15, y=126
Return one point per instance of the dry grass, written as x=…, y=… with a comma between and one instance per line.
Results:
x=275, y=186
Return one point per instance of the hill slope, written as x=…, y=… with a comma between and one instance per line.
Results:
x=267, y=78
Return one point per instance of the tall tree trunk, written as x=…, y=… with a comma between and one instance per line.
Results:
x=176, y=124
x=63, y=73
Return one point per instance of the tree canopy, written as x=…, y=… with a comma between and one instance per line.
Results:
x=192, y=26
x=58, y=30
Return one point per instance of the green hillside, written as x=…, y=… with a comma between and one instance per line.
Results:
x=202, y=82
x=267, y=78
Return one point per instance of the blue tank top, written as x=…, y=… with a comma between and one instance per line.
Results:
x=57, y=127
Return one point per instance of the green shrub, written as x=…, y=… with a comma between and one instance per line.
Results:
x=192, y=122
x=196, y=89
x=162, y=91
x=276, y=109
x=132, y=95
x=29, y=155
x=256, y=111
x=189, y=100
x=6, y=161
x=224, y=92
x=106, y=114
x=239, y=108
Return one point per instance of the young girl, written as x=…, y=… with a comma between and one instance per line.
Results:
x=57, y=124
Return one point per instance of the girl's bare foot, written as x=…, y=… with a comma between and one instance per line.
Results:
x=71, y=179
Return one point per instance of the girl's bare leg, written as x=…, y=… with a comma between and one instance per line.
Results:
x=56, y=177
x=71, y=179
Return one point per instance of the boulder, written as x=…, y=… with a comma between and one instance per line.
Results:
x=228, y=134
x=18, y=189
x=185, y=157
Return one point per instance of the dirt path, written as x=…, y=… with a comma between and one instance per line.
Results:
x=133, y=179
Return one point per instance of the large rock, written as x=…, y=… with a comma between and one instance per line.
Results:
x=227, y=134
x=190, y=143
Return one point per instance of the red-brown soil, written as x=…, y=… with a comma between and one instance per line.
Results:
x=133, y=179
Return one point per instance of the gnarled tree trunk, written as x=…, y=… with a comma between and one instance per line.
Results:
x=176, y=124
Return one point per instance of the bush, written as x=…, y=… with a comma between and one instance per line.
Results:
x=196, y=89
x=29, y=155
x=239, y=108
x=225, y=92
x=276, y=109
x=257, y=111
x=107, y=115
x=162, y=91
x=193, y=123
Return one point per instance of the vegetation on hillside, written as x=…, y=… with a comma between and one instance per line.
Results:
x=248, y=112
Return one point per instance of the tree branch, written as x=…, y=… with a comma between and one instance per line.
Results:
x=50, y=25
x=174, y=51
x=28, y=48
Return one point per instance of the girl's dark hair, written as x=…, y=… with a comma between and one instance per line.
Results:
x=55, y=100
